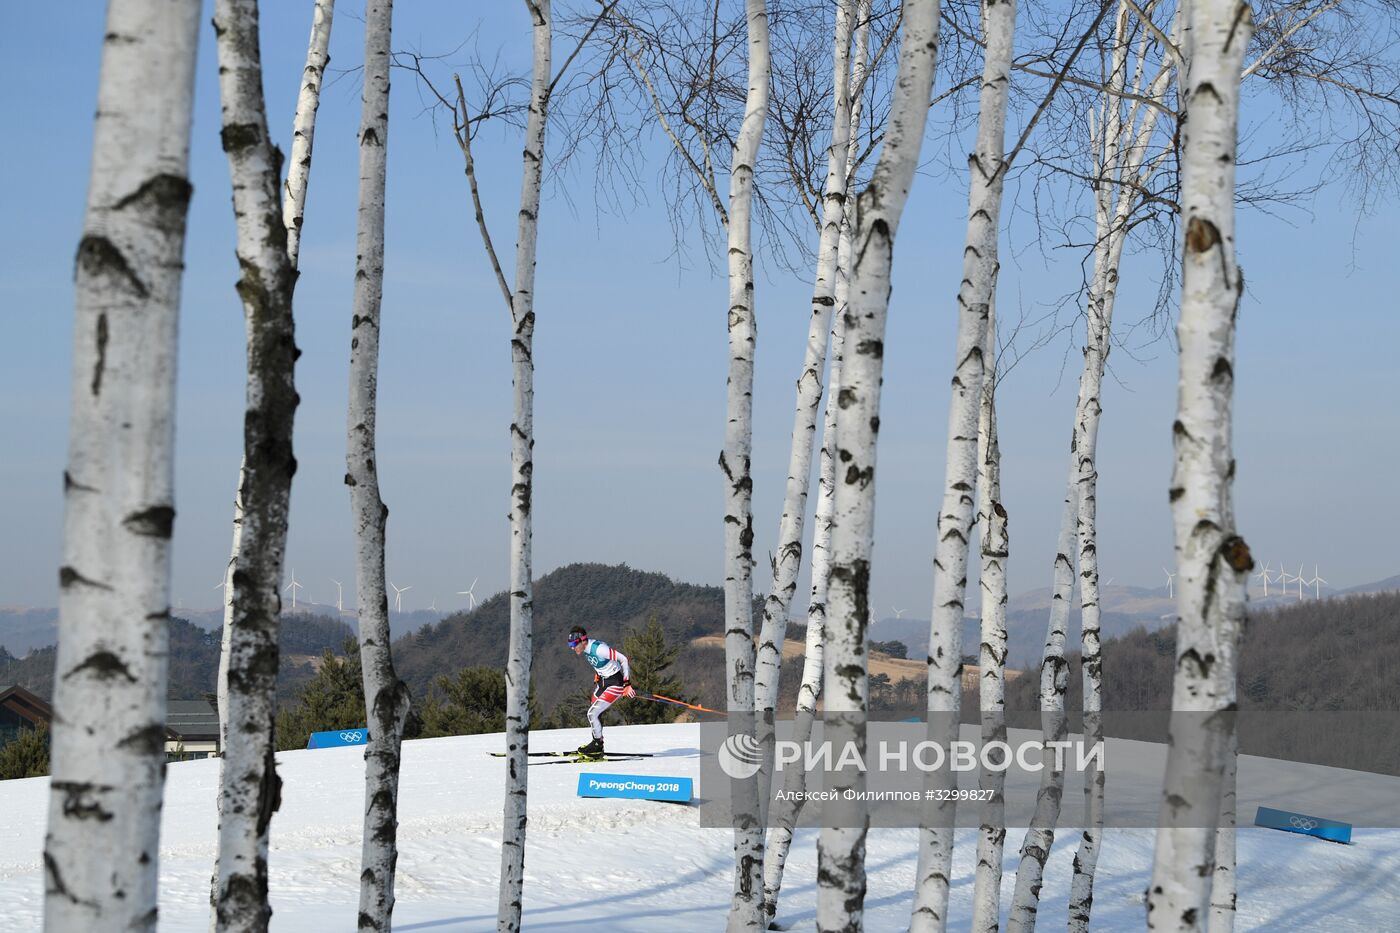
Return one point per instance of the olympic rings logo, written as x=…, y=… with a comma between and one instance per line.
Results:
x=1303, y=822
x=352, y=737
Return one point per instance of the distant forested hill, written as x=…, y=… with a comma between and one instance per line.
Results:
x=1340, y=653
x=194, y=658
x=1335, y=654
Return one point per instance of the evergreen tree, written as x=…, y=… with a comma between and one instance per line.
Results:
x=895, y=649
x=472, y=702
x=333, y=699
x=651, y=656
x=27, y=756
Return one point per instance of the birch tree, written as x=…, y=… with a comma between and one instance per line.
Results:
x=304, y=125
x=996, y=551
x=386, y=696
x=293, y=215
x=779, y=841
x=809, y=381
x=251, y=790
x=520, y=302
x=1124, y=161
x=848, y=78
x=293, y=211
x=101, y=852
x=986, y=175
x=841, y=849
x=746, y=910
x=522, y=433
x=1120, y=174
x=1212, y=559
x=1040, y=835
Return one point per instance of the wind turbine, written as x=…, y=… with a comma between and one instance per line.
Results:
x=1264, y=575
x=1316, y=583
x=293, y=586
x=1284, y=578
x=433, y=606
x=398, y=597
x=1299, y=578
x=471, y=597
x=1170, y=577
x=898, y=613
x=222, y=585
x=339, y=596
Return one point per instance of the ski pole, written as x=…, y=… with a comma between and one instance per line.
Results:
x=656, y=698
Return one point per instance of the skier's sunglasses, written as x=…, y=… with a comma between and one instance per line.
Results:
x=575, y=641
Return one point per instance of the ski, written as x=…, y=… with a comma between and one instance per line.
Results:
x=575, y=754
x=576, y=760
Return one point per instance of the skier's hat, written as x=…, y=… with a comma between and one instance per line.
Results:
x=576, y=635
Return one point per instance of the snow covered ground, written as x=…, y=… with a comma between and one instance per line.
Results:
x=629, y=865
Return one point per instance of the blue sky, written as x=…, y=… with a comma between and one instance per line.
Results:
x=631, y=358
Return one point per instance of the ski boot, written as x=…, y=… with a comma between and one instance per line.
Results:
x=593, y=751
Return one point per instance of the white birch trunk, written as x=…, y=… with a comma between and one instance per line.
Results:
x=293, y=209
x=1081, y=896
x=251, y=790
x=1109, y=246
x=101, y=853
x=985, y=171
x=746, y=910
x=780, y=837
x=996, y=551
x=809, y=382
x=795, y=779
x=1223, y=889
x=386, y=696
x=293, y=213
x=1040, y=836
x=788, y=562
x=304, y=125
x=1212, y=559
x=841, y=851
x=522, y=440
x=221, y=687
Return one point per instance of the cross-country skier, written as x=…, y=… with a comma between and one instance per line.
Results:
x=612, y=680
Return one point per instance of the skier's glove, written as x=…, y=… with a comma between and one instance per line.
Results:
x=597, y=679
x=627, y=690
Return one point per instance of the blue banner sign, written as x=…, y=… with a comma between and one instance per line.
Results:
x=338, y=738
x=635, y=786
x=1331, y=830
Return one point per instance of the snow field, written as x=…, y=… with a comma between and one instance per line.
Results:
x=635, y=866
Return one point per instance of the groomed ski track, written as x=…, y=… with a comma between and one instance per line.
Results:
x=628, y=866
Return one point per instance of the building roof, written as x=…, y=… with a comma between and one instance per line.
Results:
x=190, y=718
x=25, y=704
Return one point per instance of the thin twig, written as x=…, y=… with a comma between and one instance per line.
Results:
x=1054, y=89
x=583, y=40
x=705, y=180
x=1287, y=34
x=464, y=140
x=1161, y=36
